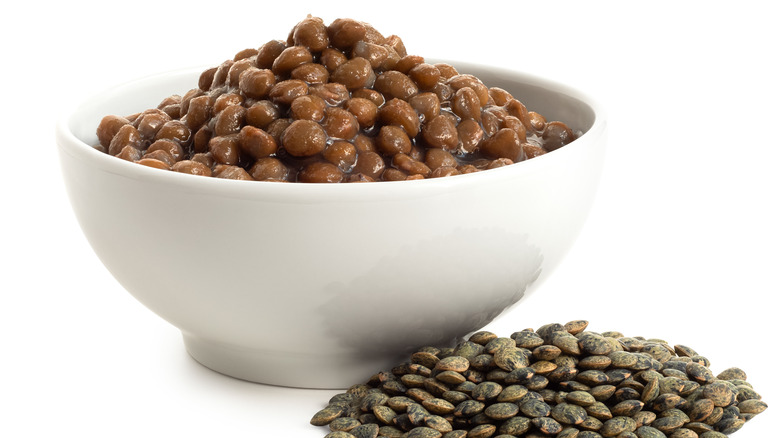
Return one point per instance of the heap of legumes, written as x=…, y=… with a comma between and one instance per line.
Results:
x=333, y=103
x=560, y=380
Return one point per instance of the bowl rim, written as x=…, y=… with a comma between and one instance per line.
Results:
x=68, y=143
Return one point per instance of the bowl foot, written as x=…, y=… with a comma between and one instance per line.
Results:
x=293, y=369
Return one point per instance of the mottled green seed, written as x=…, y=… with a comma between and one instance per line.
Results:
x=567, y=343
x=368, y=402
x=543, y=367
x=339, y=434
x=595, y=362
x=712, y=434
x=425, y=359
x=616, y=425
x=589, y=434
x=576, y=326
x=698, y=427
x=670, y=385
x=720, y=393
x=502, y=411
x=546, y=352
x=547, y=425
x=592, y=377
x=627, y=408
x=715, y=416
x=732, y=373
x=413, y=380
x=498, y=343
x=688, y=387
x=438, y=406
x=366, y=418
x=486, y=391
x=666, y=401
x=567, y=432
x=729, y=425
x=482, y=337
x=327, y=414
x=649, y=432
x=631, y=343
x=745, y=392
x=671, y=372
x=365, y=431
x=458, y=364
x=622, y=359
x=468, y=349
x=682, y=350
x=456, y=434
x=438, y=423
x=657, y=351
x=454, y=397
x=343, y=397
x=548, y=330
x=573, y=385
x=595, y=344
x=535, y=408
x=468, y=408
x=602, y=392
x=650, y=391
x=567, y=413
x=482, y=362
x=418, y=394
x=515, y=426
x=496, y=375
x=591, y=423
x=599, y=410
x=684, y=433
x=669, y=423
x=399, y=403
x=385, y=414
x=343, y=424
x=643, y=362
x=581, y=398
x=510, y=358
x=403, y=422
x=436, y=387
x=466, y=387
x=701, y=360
x=390, y=432
x=644, y=418
x=417, y=413
x=520, y=376
x=451, y=377
x=699, y=373
x=527, y=339
x=752, y=406
x=423, y=432
x=512, y=393
x=482, y=431
x=701, y=409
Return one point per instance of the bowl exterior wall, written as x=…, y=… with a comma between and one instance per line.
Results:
x=265, y=279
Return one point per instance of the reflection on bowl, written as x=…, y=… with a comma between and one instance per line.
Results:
x=266, y=280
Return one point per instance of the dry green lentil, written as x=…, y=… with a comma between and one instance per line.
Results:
x=540, y=384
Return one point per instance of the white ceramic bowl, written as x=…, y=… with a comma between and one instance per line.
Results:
x=322, y=285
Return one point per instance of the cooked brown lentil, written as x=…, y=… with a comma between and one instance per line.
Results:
x=311, y=107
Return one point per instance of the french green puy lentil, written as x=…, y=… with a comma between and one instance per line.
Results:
x=628, y=387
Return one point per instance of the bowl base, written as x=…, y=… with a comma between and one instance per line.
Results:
x=297, y=370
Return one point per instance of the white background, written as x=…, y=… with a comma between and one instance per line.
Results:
x=682, y=242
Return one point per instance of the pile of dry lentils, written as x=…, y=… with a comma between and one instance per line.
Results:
x=557, y=381
x=333, y=103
